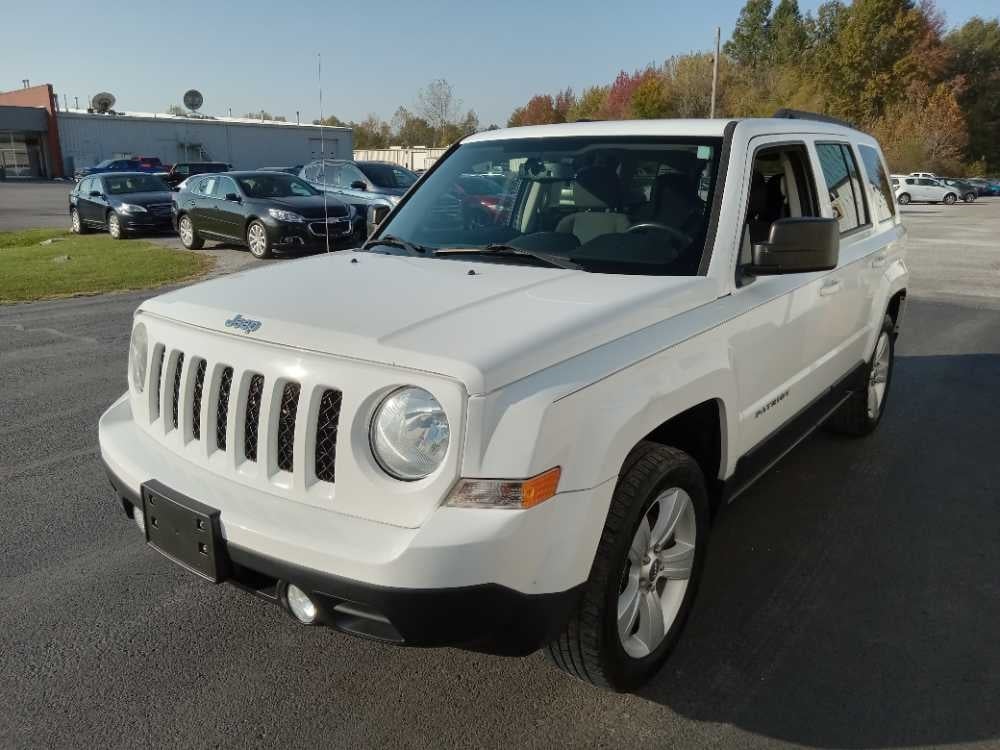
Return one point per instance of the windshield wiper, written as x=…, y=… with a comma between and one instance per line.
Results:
x=393, y=241
x=510, y=250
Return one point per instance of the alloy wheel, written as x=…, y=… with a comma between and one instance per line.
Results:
x=114, y=227
x=657, y=569
x=257, y=240
x=878, y=378
x=75, y=221
x=186, y=231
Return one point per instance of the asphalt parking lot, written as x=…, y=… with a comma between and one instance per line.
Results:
x=851, y=597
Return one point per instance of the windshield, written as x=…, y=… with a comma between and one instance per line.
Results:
x=267, y=185
x=134, y=183
x=387, y=175
x=611, y=205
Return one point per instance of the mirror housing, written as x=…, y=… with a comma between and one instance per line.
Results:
x=376, y=214
x=95, y=193
x=233, y=197
x=798, y=245
x=358, y=185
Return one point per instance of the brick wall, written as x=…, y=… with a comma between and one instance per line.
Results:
x=40, y=96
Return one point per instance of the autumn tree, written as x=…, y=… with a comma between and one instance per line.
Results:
x=750, y=43
x=588, y=105
x=975, y=63
x=924, y=130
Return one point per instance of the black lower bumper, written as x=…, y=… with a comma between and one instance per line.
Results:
x=487, y=617
x=310, y=235
x=147, y=224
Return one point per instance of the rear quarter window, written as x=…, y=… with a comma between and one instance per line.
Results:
x=843, y=181
x=883, y=205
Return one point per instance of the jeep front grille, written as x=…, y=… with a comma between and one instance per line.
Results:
x=264, y=409
x=252, y=427
x=326, y=435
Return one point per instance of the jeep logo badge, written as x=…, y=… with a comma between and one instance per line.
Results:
x=244, y=324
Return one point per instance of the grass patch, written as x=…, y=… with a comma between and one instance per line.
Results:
x=96, y=263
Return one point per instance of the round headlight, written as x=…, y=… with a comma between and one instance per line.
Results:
x=137, y=357
x=409, y=434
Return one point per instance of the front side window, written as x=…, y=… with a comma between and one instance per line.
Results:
x=134, y=183
x=387, y=175
x=182, y=169
x=224, y=186
x=883, y=205
x=844, y=185
x=632, y=205
x=207, y=186
x=349, y=174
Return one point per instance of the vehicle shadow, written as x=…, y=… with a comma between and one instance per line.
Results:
x=852, y=597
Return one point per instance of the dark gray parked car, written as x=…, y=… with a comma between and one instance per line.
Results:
x=372, y=187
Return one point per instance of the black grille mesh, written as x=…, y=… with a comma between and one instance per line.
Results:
x=177, y=386
x=286, y=426
x=199, y=387
x=254, y=395
x=222, y=409
x=159, y=380
x=326, y=435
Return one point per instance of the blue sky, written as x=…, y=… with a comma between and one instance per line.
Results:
x=252, y=54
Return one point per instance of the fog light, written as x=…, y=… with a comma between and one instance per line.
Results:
x=300, y=604
x=139, y=518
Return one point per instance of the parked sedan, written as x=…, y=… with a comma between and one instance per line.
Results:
x=966, y=190
x=264, y=211
x=182, y=170
x=124, y=204
x=116, y=165
x=922, y=189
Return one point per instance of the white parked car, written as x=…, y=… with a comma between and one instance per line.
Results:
x=922, y=190
x=931, y=175
x=516, y=435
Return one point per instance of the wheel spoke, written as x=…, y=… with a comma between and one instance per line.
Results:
x=640, y=542
x=672, y=505
x=677, y=561
x=628, y=608
x=651, y=629
x=872, y=402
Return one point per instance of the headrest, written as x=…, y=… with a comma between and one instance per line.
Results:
x=597, y=187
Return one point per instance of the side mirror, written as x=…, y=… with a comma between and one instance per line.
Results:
x=358, y=185
x=375, y=216
x=95, y=193
x=233, y=197
x=798, y=245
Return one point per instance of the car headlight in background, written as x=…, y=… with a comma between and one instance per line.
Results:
x=409, y=434
x=137, y=355
x=281, y=215
x=132, y=208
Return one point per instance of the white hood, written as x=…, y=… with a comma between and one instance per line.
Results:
x=486, y=329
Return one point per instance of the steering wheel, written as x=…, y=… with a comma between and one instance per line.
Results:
x=644, y=225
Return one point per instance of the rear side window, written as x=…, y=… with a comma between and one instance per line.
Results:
x=883, y=205
x=840, y=171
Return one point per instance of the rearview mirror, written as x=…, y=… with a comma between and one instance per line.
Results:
x=232, y=197
x=358, y=185
x=798, y=245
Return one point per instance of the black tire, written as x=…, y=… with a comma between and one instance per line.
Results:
x=115, y=228
x=190, y=239
x=969, y=197
x=855, y=418
x=258, y=248
x=76, y=223
x=903, y=199
x=589, y=647
x=950, y=199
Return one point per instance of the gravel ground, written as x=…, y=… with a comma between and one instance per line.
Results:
x=851, y=597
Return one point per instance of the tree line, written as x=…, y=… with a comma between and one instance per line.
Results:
x=891, y=67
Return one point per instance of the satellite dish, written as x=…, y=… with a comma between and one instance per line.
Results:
x=193, y=99
x=102, y=102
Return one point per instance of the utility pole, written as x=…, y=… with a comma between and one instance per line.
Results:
x=715, y=69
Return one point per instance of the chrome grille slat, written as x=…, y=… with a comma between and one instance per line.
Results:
x=159, y=380
x=177, y=388
x=199, y=387
x=222, y=408
x=255, y=394
x=326, y=434
x=286, y=426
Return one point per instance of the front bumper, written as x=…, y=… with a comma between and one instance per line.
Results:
x=309, y=234
x=146, y=222
x=492, y=580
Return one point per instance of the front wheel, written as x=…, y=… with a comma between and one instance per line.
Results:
x=76, y=224
x=645, y=573
x=950, y=199
x=969, y=197
x=862, y=412
x=903, y=199
x=189, y=235
x=257, y=241
x=115, y=228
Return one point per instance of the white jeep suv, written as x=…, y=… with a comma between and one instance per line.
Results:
x=507, y=422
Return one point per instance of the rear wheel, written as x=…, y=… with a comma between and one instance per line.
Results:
x=189, y=235
x=862, y=412
x=969, y=197
x=645, y=573
x=903, y=199
x=950, y=199
x=76, y=224
x=257, y=241
x=115, y=228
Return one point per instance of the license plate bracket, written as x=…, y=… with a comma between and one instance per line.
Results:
x=185, y=531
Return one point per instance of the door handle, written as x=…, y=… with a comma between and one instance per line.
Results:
x=830, y=287
x=879, y=261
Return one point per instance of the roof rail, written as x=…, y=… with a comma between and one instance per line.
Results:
x=797, y=114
